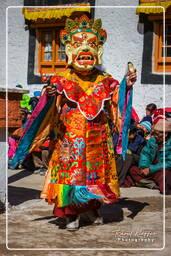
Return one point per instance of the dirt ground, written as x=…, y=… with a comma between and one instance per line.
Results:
x=134, y=223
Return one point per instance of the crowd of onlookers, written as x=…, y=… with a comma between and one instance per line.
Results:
x=148, y=158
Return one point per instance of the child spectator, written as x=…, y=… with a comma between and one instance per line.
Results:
x=34, y=100
x=145, y=126
x=150, y=108
x=136, y=142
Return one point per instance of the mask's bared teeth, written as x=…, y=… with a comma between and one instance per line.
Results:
x=85, y=58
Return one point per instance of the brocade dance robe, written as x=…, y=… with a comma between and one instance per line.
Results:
x=82, y=166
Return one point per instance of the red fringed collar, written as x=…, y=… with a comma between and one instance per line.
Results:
x=91, y=104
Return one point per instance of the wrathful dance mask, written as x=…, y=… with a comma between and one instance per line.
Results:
x=84, y=41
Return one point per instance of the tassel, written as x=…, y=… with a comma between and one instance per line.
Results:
x=82, y=195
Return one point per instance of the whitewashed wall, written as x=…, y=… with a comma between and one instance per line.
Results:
x=18, y=42
x=125, y=44
x=17, y=66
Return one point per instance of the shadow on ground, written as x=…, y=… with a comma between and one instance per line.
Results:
x=18, y=195
x=18, y=176
x=109, y=212
x=117, y=209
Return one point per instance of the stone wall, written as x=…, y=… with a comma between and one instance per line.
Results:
x=13, y=99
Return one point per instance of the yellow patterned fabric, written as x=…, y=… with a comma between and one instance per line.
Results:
x=152, y=7
x=54, y=12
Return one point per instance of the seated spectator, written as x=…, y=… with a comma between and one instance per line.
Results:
x=136, y=138
x=26, y=120
x=40, y=158
x=136, y=142
x=12, y=145
x=160, y=113
x=145, y=126
x=150, y=170
x=34, y=100
x=15, y=138
x=150, y=108
x=23, y=115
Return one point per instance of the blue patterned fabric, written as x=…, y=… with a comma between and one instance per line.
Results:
x=82, y=195
x=127, y=116
x=27, y=140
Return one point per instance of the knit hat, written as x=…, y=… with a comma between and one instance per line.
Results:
x=147, y=125
x=37, y=93
x=159, y=126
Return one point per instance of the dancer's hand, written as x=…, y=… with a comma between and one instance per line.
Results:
x=131, y=78
x=51, y=90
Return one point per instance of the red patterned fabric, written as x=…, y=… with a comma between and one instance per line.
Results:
x=159, y=114
x=83, y=155
x=89, y=105
x=64, y=212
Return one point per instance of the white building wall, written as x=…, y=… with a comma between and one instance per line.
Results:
x=2, y=42
x=125, y=44
x=18, y=43
x=17, y=67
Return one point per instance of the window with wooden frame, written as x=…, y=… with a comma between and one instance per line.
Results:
x=51, y=52
x=160, y=48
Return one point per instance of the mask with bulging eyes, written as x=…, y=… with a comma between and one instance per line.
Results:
x=83, y=51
